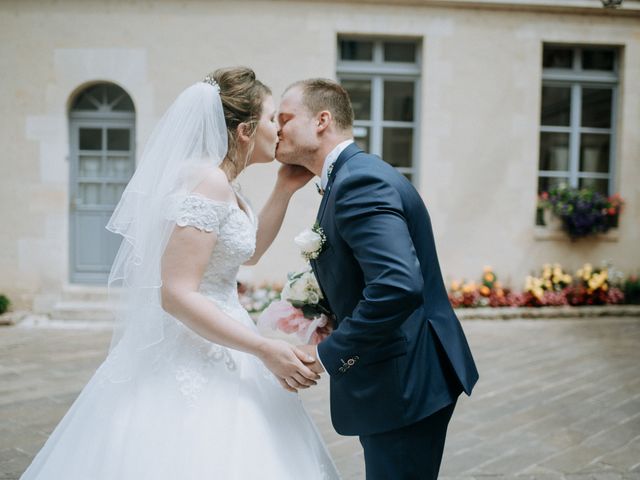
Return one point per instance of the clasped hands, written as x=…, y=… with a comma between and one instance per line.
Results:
x=295, y=367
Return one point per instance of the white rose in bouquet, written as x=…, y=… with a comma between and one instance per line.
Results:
x=311, y=286
x=294, y=291
x=299, y=310
x=302, y=288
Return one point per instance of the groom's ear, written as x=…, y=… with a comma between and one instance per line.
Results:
x=324, y=119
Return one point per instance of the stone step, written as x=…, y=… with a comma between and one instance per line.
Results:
x=84, y=293
x=82, y=310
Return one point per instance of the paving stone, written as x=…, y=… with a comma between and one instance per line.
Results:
x=557, y=399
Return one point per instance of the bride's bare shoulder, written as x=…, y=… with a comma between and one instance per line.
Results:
x=215, y=185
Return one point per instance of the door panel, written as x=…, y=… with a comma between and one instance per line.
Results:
x=102, y=160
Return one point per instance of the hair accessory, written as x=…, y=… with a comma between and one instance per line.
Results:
x=211, y=81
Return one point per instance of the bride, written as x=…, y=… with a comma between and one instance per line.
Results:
x=190, y=389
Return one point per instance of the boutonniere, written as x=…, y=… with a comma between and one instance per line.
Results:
x=311, y=242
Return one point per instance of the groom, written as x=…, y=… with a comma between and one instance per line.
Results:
x=397, y=358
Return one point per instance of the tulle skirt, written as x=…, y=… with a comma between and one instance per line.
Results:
x=187, y=409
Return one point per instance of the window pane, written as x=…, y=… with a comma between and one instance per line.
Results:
x=397, y=146
x=83, y=102
x=547, y=183
x=557, y=57
x=118, y=138
x=598, y=59
x=556, y=106
x=89, y=193
x=113, y=192
x=124, y=104
x=89, y=166
x=360, y=93
x=554, y=151
x=596, y=107
x=114, y=93
x=356, y=50
x=594, y=153
x=119, y=166
x=90, y=139
x=598, y=184
x=398, y=101
x=361, y=137
x=399, y=52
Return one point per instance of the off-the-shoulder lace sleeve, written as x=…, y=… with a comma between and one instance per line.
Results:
x=202, y=213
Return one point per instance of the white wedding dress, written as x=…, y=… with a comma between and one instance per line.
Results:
x=195, y=410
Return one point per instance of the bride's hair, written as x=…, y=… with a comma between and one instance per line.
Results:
x=242, y=95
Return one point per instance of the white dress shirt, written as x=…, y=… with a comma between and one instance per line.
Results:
x=324, y=180
x=331, y=159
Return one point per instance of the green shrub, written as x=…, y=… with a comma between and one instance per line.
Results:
x=631, y=289
x=4, y=304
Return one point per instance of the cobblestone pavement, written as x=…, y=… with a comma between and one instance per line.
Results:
x=557, y=399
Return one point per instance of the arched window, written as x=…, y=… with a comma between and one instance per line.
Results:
x=102, y=160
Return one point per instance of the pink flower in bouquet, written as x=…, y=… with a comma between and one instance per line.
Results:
x=283, y=316
x=293, y=322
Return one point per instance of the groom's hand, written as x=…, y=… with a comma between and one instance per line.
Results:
x=315, y=365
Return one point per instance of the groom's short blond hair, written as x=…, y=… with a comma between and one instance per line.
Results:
x=320, y=94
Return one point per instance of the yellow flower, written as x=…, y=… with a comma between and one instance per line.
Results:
x=567, y=278
x=455, y=285
x=469, y=287
x=528, y=282
x=489, y=277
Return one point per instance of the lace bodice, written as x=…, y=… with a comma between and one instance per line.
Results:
x=236, y=242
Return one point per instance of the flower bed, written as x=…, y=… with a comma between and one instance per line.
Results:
x=553, y=286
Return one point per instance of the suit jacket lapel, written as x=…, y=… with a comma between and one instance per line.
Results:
x=346, y=154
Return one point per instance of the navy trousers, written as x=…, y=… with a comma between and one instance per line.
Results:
x=413, y=452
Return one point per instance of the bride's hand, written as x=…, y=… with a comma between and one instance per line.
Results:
x=293, y=177
x=286, y=362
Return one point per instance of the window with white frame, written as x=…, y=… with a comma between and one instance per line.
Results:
x=382, y=77
x=577, y=121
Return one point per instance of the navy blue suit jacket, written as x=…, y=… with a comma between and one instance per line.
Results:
x=398, y=352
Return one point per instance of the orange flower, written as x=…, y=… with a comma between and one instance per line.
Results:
x=485, y=291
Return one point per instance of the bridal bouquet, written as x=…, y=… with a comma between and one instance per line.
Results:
x=300, y=310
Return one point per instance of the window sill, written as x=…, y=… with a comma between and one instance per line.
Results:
x=543, y=233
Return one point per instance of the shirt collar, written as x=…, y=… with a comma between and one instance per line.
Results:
x=331, y=159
